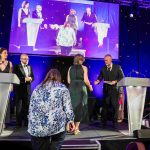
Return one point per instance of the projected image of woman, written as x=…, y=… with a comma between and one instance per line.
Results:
x=66, y=38
x=72, y=19
x=24, y=12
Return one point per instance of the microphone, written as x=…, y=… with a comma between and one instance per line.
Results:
x=136, y=72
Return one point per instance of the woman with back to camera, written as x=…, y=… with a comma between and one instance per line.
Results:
x=49, y=112
x=78, y=83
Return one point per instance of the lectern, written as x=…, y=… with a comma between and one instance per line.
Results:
x=6, y=81
x=33, y=25
x=102, y=30
x=136, y=91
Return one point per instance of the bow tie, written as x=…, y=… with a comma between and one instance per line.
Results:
x=25, y=65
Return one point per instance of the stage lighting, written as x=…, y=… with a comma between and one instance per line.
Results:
x=131, y=15
x=134, y=9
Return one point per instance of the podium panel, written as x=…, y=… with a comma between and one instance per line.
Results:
x=129, y=81
x=6, y=81
x=4, y=97
x=32, y=29
x=102, y=30
x=136, y=92
x=136, y=101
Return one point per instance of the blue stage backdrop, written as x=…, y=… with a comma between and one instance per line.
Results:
x=42, y=64
x=134, y=48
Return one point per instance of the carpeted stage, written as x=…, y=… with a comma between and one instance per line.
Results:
x=92, y=137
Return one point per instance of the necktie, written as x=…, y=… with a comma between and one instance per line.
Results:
x=109, y=68
x=26, y=70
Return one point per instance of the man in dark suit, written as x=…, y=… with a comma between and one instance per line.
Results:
x=89, y=35
x=111, y=73
x=38, y=12
x=23, y=91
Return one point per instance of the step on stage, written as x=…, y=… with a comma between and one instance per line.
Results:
x=92, y=137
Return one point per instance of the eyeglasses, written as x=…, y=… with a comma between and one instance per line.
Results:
x=25, y=58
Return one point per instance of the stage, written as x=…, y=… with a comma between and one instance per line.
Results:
x=92, y=137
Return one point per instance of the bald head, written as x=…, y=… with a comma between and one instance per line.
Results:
x=38, y=8
x=108, y=59
x=24, y=59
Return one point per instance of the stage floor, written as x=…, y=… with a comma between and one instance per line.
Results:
x=92, y=136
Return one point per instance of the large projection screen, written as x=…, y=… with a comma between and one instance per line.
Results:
x=65, y=27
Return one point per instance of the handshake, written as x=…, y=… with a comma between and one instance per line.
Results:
x=70, y=127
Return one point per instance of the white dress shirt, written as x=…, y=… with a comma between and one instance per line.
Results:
x=25, y=68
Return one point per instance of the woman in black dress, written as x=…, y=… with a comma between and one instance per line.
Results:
x=72, y=20
x=23, y=13
x=78, y=83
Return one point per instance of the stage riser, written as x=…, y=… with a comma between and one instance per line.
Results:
x=143, y=133
x=105, y=145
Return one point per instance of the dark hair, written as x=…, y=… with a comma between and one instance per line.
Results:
x=2, y=49
x=135, y=146
x=78, y=58
x=24, y=3
x=52, y=75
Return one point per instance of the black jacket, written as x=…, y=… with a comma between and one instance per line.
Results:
x=116, y=74
x=25, y=87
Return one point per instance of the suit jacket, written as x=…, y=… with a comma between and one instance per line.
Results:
x=115, y=74
x=24, y=89
x=35, y=15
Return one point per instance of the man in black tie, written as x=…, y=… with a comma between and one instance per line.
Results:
x=23, y=91
x=111, y=73
x=38, y=12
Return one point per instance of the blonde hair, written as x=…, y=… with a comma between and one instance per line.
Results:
x=73, y=10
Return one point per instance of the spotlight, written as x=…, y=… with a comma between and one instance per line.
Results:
x=134, y=9
x=131, y=15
